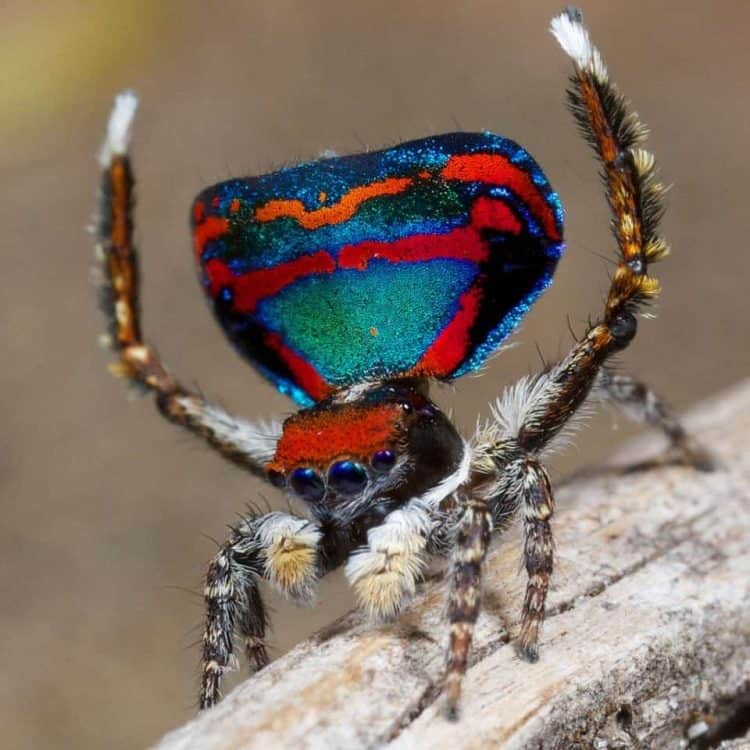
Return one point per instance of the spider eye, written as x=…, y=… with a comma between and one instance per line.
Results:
x=307, y=484
x=347, y=477
x=276, y=478
x=383, y=461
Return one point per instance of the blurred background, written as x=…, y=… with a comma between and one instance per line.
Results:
x=108, y=512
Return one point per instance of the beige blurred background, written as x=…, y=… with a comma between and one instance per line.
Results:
x=107, y=511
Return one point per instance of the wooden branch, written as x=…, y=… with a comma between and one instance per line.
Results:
x=647, y=642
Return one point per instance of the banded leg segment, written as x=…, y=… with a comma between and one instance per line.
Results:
x=233, y=602
x=531, y=414
x=282, y=549
x=635, y=198
x=241, y=442
x=538, y=552
x=537, y=409
x=472, y=538
x=640, y=403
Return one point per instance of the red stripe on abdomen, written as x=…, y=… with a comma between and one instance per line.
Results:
x=497, y=170
x=250, y=288
x=463, y=243
x=303, y=373
x=211, y=228
x=449, y=349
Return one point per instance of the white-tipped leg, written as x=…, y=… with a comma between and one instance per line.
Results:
x=119, y=128
x=574, y=38
x=384, y=574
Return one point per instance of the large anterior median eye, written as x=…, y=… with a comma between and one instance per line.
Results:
x=307, y=484
x=347, y=477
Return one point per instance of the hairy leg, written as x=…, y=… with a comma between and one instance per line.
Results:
x=243, y=443
x=279, y=547
x=640, y=403
x=532, y=413
x=538, y=553
x=472, y=537
x=385, y=572
x=523, y=485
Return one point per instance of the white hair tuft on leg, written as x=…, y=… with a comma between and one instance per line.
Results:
x=119, y=128
x=574, y=38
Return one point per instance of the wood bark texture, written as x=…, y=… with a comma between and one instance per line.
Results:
x=646, y=643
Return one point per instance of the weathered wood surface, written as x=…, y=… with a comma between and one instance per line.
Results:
x=647, y=643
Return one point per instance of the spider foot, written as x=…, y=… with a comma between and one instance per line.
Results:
x=529, y=652
x=452, y=691
x=691, y=453
x=257, y=655
x=527, y=645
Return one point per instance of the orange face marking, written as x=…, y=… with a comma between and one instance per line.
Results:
x=234, y=206
x=318, y=437
x=336, y=214
x=322, y=197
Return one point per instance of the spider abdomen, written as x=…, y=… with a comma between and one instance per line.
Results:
x=312, y=270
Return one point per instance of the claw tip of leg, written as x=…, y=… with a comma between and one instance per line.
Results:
x=529, y=653
x=452, y=711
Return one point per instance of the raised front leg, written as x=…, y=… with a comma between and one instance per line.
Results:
x=251, y=446
x=531, y=415
x=279, y=547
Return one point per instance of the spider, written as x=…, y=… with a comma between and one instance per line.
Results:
x=353, y=282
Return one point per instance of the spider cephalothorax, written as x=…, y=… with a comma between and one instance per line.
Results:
x=370, y=453
x=351, y=283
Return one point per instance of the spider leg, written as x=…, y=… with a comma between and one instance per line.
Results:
x=640, y=403
x=535, y=411
x=279, y=547
x=246, y=444
x=538, y=553
x=385, y=572
x=470, y=546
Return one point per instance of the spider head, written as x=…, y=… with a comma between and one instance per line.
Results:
x=387, y=442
